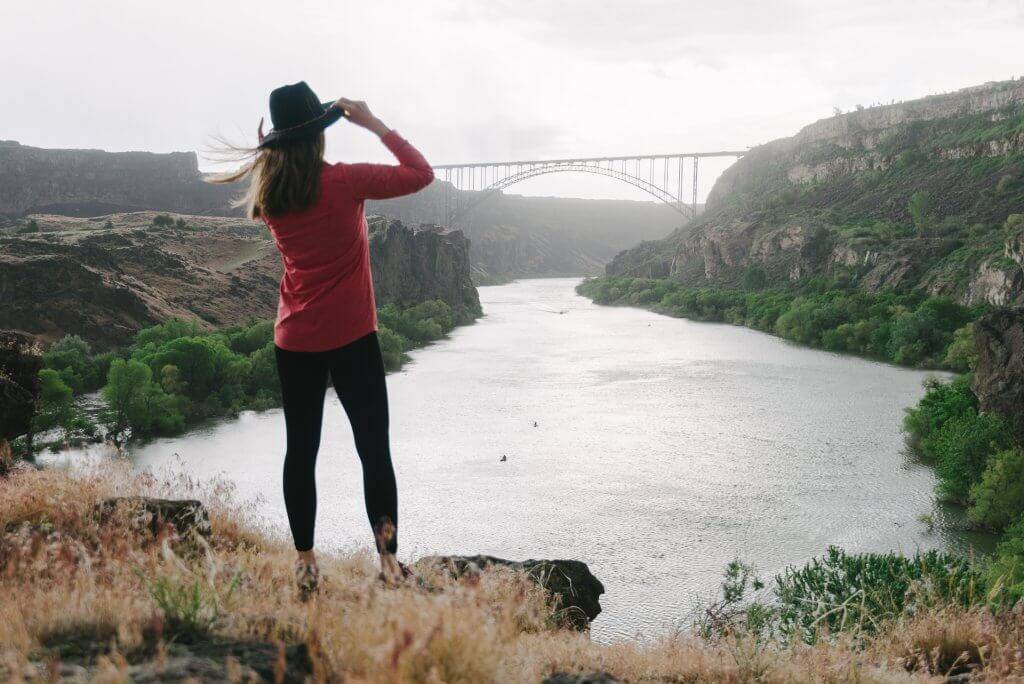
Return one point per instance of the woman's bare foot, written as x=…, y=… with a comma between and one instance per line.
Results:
x=307, y=575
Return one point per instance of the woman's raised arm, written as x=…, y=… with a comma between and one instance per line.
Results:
x=382, y=181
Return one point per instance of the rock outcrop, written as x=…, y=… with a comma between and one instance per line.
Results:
x=415, y=266
x=94, y=182
x=104, y=278
x=20, y=362
x=576, y=591
x=999, y=375
x=104, y=281
x=185, y=516
x=514, y=236
x=918, y=195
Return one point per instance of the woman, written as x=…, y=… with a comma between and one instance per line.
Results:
x=327, y=318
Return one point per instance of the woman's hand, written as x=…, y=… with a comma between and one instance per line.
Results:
x=358, y=113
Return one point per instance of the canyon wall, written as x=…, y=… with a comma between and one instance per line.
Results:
x=94, y=182
x=926, y=195
x=510, y=236
x=104, y=278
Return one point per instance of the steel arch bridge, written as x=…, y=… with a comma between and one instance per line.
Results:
x=663, y=176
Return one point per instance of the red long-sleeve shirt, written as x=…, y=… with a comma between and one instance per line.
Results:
x=326, y=298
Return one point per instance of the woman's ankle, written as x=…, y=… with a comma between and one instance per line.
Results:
x=307, y=557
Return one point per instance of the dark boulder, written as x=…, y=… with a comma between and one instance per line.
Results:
x=576, y=591
x=999, y=376
x=186, y=515
x=20, y=362
x=581, y=678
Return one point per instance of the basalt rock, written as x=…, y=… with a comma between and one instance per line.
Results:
x=412, y=266
x=576, y=591
x=187, y=516
x=185, y=657
x=20, y=362
x=581, y=678
x=999, y=375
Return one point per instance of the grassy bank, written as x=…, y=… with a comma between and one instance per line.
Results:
x=177, y=374
x=78, y=590
x=979, y=461
x=906, y=329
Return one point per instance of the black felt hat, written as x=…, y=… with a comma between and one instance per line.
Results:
x=296, y=113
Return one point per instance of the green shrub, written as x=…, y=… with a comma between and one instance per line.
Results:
x=998, y=499
x=1006, y=570
x=189, y=604
x=960, y=449
x=858, y=593
x=919, y=206
x=754, y=278
x=392, y=347
x=841, y=593
x=249, y=338
x=942, y=402
x=962, y=354
x=419, y=324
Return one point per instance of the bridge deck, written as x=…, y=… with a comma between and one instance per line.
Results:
x=724, y=153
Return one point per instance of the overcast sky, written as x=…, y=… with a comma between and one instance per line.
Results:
x=479, y=80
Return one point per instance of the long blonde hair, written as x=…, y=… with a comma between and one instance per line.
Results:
x=282, y=179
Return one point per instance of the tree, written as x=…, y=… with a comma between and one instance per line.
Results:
x=56, y=409
x=55, y=403
x=70, y=356
x=128, y=383
x=754, y=278
x=920, y=207
x=962, y=354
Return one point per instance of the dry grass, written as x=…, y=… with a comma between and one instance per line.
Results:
x=121, y=597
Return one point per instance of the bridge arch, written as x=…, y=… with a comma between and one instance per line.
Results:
x=476, y=183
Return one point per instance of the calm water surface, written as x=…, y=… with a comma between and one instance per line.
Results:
x=663, y=449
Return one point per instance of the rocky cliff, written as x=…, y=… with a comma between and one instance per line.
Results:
x=414, y=266
x=104, y=278
x=94, y=182
x=917, y=195
x=999, y=377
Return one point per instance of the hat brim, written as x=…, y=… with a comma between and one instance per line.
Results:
x=331, y=113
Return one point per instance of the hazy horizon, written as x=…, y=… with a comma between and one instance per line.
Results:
x=484, y=82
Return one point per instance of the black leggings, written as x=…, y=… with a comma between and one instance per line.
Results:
x=357, y=371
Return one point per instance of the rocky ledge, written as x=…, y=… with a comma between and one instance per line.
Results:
x=573, y=587
x=999, y=376
x=184, y=526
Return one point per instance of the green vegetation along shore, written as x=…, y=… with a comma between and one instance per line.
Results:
x=177, y=374
x=907, y=329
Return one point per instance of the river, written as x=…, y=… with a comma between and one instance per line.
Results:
x=663, y=448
